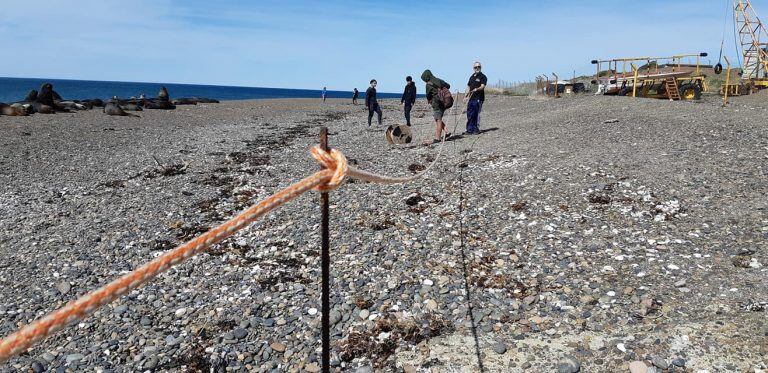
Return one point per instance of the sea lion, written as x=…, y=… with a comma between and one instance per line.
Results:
x=112, y=108
x=163, y=94
x=14, y=110
x=56, y=96
x=185, y=101
x=42, y=108
x=45, y=95
x=131, y=107
x=97, y=102
x=31, y=96
x=71, y=105
x=86, y=104
x=159, y=104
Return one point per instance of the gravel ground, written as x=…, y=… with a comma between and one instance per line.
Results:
x=593, y=234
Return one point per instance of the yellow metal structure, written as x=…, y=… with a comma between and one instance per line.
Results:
x=634, y=86
x=752, y=35
x=727, y=81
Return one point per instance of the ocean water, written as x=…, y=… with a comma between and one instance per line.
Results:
x=15, y=89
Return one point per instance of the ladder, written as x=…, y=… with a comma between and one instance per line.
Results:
x=672, y=92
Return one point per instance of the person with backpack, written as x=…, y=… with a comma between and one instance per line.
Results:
x=409, y=98
x=371, y=103
x=439, y=98
x=475, y=94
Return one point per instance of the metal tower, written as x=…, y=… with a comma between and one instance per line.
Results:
x=753, y=36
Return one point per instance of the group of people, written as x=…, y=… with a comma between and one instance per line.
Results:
x=436, y=89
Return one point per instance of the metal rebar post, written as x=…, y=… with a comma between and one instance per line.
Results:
x=326, y=268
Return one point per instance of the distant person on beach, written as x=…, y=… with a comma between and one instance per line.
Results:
x=409, y=98
x=355, y=93
x=324, y=94
x=433, y=87
x=475, y=94
x=370, y=102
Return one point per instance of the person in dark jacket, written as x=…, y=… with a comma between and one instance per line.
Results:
x=370, y=102
x=409, y=98
x=475, y=95
x=433, y=86
x=355, y=93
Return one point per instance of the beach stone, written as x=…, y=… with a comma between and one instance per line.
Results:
x=71, y=358
x=38, y=367
x=499, y=347
x=364, y=314
x=119, y=310
x=47, y=356
x=312, y=311
x=63, y=287
x=277, y=346
x=568, y=364
x=680, y=362
x=240, y=333
x=151, y=363
x=180, y=312
x=638, y=367
x=334, y=317
x=659, y=362
x=312, y=367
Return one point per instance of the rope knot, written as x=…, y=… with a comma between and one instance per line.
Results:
x=334, y=161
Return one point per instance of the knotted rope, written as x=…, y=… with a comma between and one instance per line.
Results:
x=335, y=170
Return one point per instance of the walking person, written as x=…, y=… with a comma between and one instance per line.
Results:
x=371, y=103
x=475, y=94
x=409, y=98
x=355, y=94
x=324, y=94
x=434, y=84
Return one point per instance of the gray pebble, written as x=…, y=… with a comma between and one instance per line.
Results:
x=659, y=362
x=568, y=364
x=71, y=358
x=499, y=347
x=38, y=367
x=63, y=287
x=151, y=363
x=240, y=333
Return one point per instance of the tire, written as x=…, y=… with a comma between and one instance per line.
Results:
x=718, y=68
x=626, y=91
x=690, y=92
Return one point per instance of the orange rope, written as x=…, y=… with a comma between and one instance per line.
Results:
x=331, y=177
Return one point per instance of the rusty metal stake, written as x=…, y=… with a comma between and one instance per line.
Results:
x=326, y=268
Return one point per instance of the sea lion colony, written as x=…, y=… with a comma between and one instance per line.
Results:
x=48, y=101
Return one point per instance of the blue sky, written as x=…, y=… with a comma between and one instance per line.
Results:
x=343, y=44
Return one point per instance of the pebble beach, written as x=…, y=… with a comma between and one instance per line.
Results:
x=580, y=234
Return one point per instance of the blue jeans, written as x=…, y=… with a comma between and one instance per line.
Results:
x=473, y=115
